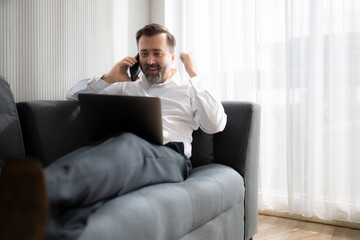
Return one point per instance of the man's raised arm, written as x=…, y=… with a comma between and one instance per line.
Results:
x=209, y=112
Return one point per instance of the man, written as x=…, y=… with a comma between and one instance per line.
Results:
x=186, y=106
x=83, y=179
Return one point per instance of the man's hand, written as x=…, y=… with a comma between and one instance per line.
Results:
x=189, y=62
x=118, y=73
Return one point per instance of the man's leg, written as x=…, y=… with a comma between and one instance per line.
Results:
x=78, y=183
x=117, y=166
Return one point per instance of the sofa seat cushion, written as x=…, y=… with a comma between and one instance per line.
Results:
x=169, y=210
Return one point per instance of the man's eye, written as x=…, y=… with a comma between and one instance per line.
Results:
x=144, y=54
x=157, y=54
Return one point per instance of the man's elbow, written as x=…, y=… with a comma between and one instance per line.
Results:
x=72, y=97
x=216, y=126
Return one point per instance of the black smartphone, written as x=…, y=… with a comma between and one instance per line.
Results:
x=135, y=69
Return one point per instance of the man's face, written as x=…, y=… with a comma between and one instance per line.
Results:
x=155, y=58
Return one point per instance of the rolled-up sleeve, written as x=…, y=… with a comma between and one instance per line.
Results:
x=209, y=112
x=93, y=85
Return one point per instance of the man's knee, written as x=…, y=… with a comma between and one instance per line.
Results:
x=130, y=138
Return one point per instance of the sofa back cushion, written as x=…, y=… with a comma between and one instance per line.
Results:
x=51, y=129
x=11, y=143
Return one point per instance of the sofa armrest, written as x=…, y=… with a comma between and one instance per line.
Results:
x=51, y=129
x=238, y=147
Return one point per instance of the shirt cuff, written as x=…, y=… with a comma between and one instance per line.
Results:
x=97, y=84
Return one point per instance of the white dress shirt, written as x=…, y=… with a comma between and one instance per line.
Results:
x=185, y=105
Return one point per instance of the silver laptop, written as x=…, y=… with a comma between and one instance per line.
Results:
x=108, y=115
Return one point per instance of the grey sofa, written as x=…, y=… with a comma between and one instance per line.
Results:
x=217, y=201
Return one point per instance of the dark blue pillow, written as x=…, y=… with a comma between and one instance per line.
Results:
x=11, y=143
x=202, y=149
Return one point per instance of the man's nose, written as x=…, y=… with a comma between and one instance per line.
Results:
x=150, y=60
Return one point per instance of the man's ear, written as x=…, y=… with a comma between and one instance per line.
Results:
x=172, y=57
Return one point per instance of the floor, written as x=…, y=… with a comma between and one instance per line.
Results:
x=282, y=228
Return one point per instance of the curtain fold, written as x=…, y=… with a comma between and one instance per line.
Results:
x=300, y=61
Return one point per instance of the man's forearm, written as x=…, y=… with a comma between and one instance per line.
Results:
x=93, y=85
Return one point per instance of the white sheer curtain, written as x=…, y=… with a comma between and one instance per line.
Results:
x=300, y=60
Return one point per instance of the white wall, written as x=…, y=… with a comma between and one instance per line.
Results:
x=158, y=11
x=139, y=14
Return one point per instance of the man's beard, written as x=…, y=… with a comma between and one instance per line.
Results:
x=153, y=78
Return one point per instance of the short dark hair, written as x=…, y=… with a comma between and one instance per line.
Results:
x=153, y=29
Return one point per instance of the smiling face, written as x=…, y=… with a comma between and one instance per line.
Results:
x=155, y=58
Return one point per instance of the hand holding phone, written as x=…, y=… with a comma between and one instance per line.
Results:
x=119, y=72
x=135, y=69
